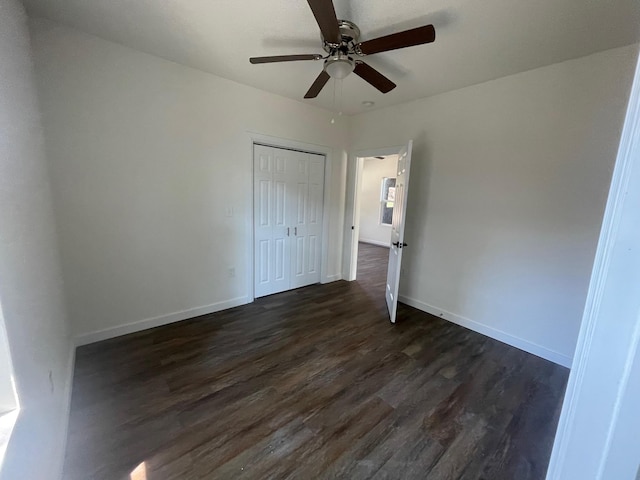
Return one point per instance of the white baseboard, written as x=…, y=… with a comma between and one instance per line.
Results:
x=375, y=242
x=66, y=398
x=494, y=333
x=145, y=324
x=332, y=278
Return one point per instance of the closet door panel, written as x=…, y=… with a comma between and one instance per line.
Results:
x=288, y=199
x=272, y=259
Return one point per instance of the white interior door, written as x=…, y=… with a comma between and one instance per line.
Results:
x=307, y=221
x=397, y=230
x=272, y=261
x=288, y=200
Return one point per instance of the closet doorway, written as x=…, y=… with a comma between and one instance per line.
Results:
x=288, y=218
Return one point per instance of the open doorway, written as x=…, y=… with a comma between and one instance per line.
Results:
x=376, y=197
x=376, y=200
x=367, y=208
x=390, y=203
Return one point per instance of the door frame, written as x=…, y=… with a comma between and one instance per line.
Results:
x=352, y=208
x=288, y=144
x=594, y=423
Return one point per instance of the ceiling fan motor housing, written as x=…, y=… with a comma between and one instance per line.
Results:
x=348, y=30
x=339, y=64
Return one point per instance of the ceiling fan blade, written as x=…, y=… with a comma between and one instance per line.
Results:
x=319, y=82
x=325, y=14
x=374, y=77
x=284, y=58
x=408, y=38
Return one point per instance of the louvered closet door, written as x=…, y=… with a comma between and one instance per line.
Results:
x=288, y=195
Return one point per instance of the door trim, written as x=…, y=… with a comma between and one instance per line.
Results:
x=288, y=144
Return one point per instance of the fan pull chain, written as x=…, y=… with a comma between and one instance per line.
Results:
x=339, y=105
x=340, y=98
x=333, y=119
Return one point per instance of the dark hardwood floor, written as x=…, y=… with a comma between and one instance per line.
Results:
x=312, y=383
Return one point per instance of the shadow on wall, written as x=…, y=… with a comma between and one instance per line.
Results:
x=477, y=252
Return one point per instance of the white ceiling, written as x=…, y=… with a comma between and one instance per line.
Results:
x=476, y=40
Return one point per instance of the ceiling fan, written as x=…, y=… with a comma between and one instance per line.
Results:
x=340, y=41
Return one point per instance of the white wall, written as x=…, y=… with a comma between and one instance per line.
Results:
x=373, y=171
x=508, y=186
x=597, y=436
x=146, y=157
x=31, y=292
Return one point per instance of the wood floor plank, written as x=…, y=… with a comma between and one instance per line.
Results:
x=313, y=383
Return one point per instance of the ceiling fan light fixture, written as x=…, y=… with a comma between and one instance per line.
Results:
x=339, y=66
x=341, y=41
